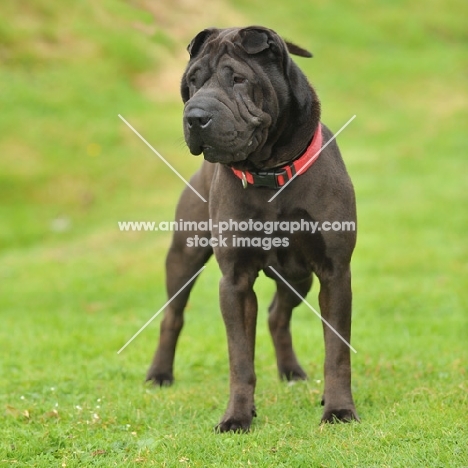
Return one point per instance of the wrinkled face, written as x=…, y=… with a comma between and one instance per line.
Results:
x=234, y=88
x=224, y=116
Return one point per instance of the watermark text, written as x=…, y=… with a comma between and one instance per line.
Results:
x=251, y=225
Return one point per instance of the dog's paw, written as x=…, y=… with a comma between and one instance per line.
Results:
x=161, y=379
x=339, y=416
x=292, y=373
x=236, y=423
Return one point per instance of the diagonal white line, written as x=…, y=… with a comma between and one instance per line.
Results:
x=313, y=310
x=160, y=157
x=161, y=309
x=305, y=167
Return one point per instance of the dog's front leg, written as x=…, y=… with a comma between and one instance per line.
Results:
x=335, y=305
x=239, y=308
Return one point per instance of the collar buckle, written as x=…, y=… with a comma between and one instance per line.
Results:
x=271, y=179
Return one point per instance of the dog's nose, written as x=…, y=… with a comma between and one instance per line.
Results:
x=198, y=118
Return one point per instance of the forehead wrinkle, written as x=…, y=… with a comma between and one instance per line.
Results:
x=228, y=61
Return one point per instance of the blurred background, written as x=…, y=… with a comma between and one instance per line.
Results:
x=73, y=288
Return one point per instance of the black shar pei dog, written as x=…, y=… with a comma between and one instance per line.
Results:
x=256, y=119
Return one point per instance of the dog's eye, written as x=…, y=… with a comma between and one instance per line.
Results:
x=239, y=80
x=193, y=78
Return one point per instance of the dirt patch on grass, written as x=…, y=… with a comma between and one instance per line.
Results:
x=180, y=20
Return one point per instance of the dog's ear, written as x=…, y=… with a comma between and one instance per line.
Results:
x=296, y=50
x=197, y=42
x=254, y=39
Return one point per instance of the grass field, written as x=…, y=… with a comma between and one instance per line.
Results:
x=73, y=289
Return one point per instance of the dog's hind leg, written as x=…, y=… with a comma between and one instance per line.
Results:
x=183, y=261
x=279, y=318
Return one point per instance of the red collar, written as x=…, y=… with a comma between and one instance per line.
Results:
x=278, y=177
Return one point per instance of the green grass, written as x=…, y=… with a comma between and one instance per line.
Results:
x=73, y=289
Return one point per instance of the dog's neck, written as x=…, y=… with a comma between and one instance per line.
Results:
x=279, y=177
